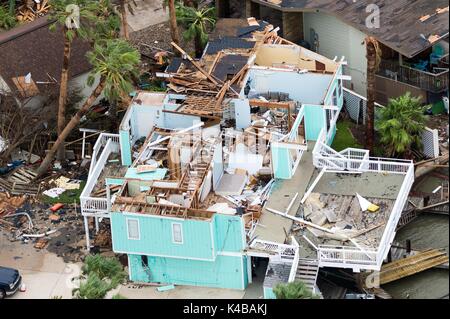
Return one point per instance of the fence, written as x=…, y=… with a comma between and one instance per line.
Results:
x=356, y=106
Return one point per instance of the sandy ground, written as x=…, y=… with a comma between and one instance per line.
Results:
x=47, y=276
x=146, y=13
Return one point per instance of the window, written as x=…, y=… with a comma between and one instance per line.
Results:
x=177, y=233
x=133, y=228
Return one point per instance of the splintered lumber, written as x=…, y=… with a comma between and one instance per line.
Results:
x=412, y=265
x=221, y=95
x=194, y=63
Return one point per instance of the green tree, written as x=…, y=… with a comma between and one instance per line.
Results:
x=197, y=22
x=116, y=62
x=401, y=123
x=7, y=20
x=294, y=290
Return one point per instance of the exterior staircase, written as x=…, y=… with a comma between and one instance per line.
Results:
x=198, y=168
x=307, y=271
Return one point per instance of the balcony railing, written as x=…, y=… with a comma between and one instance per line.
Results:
x=359, y=161
x=433, y=82
x=98, y=205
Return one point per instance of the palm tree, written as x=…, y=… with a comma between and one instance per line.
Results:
x=373, y=55
x=61, y=14
x=294, y=290
x=116, y=62
x=123, y=13
x=173, y=22
x=401, y=123
x=196, y=22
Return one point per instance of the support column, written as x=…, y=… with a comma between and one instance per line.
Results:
x=222, y=8
x=86, y=230
x=83, y=145
x=97, y=228
x=293, y=26
x=251, y=9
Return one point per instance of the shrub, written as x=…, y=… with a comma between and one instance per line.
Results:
x=294, y=290
x=92, y=288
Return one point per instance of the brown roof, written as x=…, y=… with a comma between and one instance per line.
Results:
x=32, y=47
x=400, y=25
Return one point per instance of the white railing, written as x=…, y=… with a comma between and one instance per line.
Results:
x=282, y=251
x=96, y=204
x=358, y=160
x=397, y=209
x=355, y=160
x=101, y=142
x=347, y=257
x=294, y=266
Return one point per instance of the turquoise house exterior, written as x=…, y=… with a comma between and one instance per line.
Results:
x=209, y=253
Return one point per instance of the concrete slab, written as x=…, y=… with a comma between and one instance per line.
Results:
x=180, y=292
x=146, y=13
x=272, y=226
x=368, y=184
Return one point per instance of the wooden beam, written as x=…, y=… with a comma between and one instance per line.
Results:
x=268, y=104
x=194, y=63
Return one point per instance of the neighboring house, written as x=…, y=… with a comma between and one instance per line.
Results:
x=33, y=49
x=209, y=182
x=413, y=37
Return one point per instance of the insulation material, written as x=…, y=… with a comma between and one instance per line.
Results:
x=243, y=159
x=222, y=208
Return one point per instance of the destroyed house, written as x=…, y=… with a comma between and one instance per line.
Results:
x=208, y=178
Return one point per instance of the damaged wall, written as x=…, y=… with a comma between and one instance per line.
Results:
x=308, y=88
x=335, y=38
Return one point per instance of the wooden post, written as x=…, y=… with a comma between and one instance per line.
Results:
x=408, y=246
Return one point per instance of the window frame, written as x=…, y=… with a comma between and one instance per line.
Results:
x=181, y=234
x=138, y=228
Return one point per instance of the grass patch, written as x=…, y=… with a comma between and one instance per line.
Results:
x=344, y=137
x=68, y=197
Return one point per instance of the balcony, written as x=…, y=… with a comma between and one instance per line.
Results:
x=435, y=81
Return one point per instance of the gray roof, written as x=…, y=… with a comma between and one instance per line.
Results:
x=32, y=47
x=217, y=45
x=276, y=273
x=400, y=27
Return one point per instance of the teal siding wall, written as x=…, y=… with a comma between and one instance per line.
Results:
x=158, y=174
x=281, y=163
x=268, y=293
x=314, y=121
x=114, y=181
x=224, y=272
x=228, y=233
x=246, y=261
x=156, y=237
x=125, y=147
